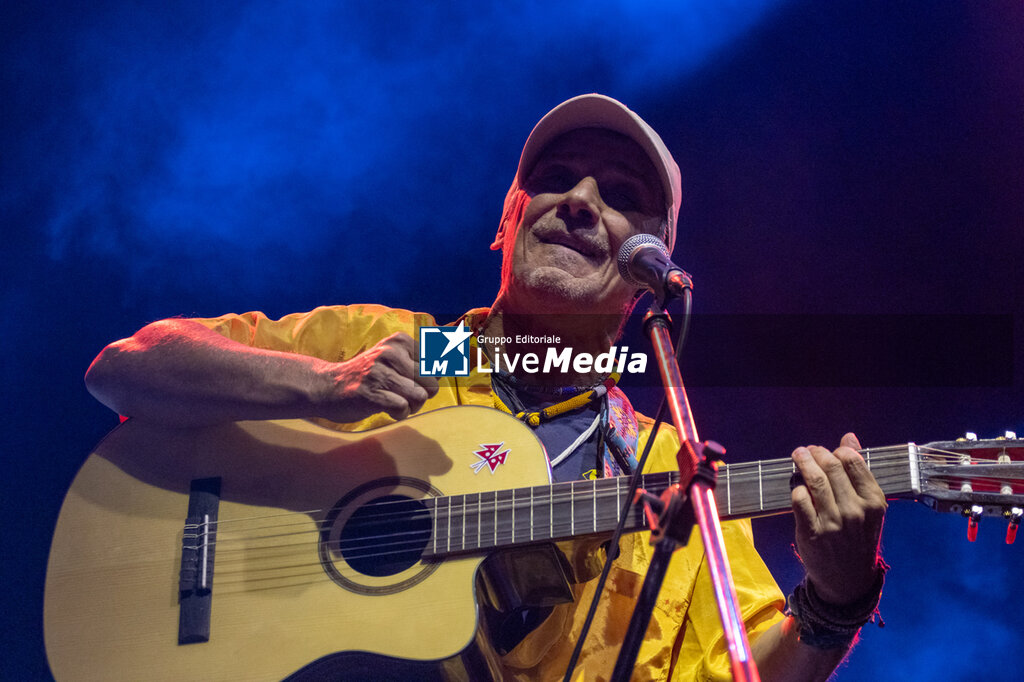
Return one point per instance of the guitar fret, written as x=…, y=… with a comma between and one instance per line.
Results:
x=572, y=507
x=479, y=517
x=495, y=519
x=459, y=501
x=618, y=501
x=760, y=484
x=531, y=514
x=457, y=536
x=448, y=540
x=513, y=515
x=594, y=492
x=515, y=537
x=434, y=533
x=728, y=490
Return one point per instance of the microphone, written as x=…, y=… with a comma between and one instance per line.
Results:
x=644, y=262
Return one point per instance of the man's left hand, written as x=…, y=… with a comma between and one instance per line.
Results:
x=839, y=513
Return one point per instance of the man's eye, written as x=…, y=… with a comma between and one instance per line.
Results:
x=622, y=199
x=554, y=180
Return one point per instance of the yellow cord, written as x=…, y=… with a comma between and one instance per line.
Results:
x=550, y=412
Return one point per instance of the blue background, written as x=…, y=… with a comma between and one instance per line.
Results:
x=199, y=158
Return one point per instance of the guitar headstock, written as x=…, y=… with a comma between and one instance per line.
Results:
x=974, y=477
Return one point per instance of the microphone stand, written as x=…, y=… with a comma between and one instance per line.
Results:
x=675, y=518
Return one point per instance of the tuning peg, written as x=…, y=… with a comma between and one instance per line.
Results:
x=1010, y=435
x=972, y=522
x=1014, y=515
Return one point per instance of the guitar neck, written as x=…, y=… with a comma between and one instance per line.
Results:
x=490, y=520
x=762, y=488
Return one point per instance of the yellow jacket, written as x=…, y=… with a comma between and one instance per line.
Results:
x=684, y=640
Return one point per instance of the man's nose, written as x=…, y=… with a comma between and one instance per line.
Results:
x=580, y=206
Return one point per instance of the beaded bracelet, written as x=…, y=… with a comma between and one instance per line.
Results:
x=829, y=626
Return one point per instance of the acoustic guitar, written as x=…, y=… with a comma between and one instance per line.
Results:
x=255, y=550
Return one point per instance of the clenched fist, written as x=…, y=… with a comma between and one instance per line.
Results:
x=383, y=378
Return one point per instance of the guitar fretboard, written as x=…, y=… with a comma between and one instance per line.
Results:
x=488, y=520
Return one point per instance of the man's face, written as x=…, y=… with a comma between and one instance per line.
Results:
x=591, y=189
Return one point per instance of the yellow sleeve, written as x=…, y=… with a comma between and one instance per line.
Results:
x=332, y=333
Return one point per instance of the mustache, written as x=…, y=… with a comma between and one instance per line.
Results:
x=592, y=245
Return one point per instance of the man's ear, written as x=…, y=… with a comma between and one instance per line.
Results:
x=511, y=214
x=499, y=239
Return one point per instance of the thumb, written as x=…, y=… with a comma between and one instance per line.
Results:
x=850, y=441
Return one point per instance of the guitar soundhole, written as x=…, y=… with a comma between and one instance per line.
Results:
x=386, y=535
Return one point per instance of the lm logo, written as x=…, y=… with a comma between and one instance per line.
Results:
x=444, y=351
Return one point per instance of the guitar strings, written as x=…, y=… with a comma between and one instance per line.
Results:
x=503, y=536
x=560, y=493
x=250, y=579
x=483, y=507
x=496, y=506
x=735, y=471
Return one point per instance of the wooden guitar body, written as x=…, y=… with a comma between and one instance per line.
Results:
x=282, y=594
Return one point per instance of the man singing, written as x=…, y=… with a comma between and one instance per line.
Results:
x=592, y=174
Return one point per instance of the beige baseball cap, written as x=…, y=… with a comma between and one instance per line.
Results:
x=600, y=111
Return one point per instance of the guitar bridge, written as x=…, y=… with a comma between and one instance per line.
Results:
x=198, y=542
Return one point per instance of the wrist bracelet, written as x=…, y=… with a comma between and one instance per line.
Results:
x=830, y=626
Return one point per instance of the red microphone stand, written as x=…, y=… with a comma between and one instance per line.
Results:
x=674, y=521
